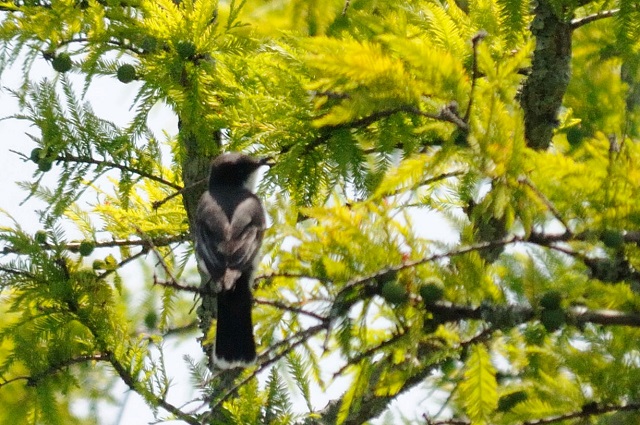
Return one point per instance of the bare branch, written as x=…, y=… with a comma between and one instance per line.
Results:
x=578, y=22
x=15, y=272
x=145, y=243
x=159, y=256
x=272, y=276
x=158, y=204
x=369, y=352
x=121, y=167
x=604, y=317
x=178, y=286
x=346, y=6
x=434, y=257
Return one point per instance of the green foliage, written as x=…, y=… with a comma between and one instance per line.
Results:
x=388, y=122
x=478, y=389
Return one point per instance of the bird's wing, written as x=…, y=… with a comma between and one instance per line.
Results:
x=212, y=227
x=247, y=228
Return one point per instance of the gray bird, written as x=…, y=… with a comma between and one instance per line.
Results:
x=230, y=223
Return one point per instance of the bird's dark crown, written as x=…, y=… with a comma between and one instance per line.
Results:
x=233, y=169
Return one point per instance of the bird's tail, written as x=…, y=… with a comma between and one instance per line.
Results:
x=235, y=346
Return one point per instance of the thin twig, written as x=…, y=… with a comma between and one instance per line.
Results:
x=409, y=264
x=121, y=167
x=346, y=6
x=15, y=272
x=369, y=352
x=143, y=251
x=160, y=258
x=426, y=182
x=474, y=71
x=130, y=381
x=272, y=276
x=112, y=41
x=180, y=191
x=294, y=309
x=525, y=181
x=447, y=114
x=33, y=380
x=446, y=421
x=578, y=22
x=588, y=410
x=177, y=286
x=181, y=329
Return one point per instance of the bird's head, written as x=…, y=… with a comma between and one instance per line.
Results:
x=234, y=169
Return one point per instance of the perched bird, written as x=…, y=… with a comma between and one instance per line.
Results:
x=229, y=225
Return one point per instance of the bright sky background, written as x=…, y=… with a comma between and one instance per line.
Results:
x=111, y=100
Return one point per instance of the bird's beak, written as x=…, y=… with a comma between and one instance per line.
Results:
x=269, y=161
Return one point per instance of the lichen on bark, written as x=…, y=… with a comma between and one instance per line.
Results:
x=542, y=93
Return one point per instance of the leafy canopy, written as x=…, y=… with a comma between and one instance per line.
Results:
x=387, y=119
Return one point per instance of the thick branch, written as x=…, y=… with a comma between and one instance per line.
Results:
x=545, y=87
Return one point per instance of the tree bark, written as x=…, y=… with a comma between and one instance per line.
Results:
x=543, y=91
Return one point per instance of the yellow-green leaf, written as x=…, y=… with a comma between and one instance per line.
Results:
x=478, y=390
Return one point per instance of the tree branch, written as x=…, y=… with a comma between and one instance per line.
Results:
x=121, y=167
x=345, y=7
x=131, y=382
x=409, y=264
x=578, y=22
x=143, y=251
x=513, y=315
x=34, y=379
x=480, y=35
x=542, y=92
x=592, y=409
x=144, y=243
x=158, y=204
x=448, y=113
x=178, y=286
x=282, y=306
x=15, y=272
x=525, y=181
x=373, y=405
x=298, y=339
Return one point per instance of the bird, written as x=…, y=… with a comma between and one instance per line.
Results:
x=229, y=227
